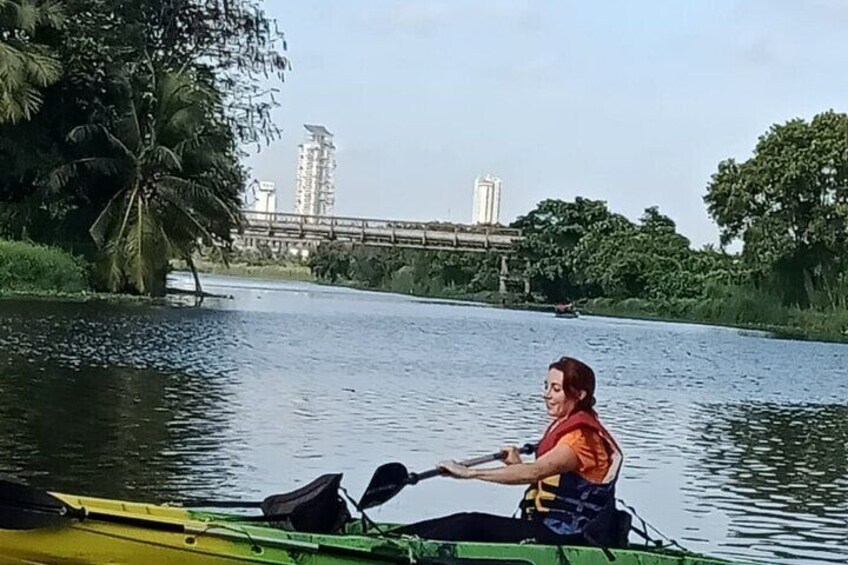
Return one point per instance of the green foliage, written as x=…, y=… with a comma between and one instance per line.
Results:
x=26, y=65
x=552, y=232
x=651, y=260
x=177, y=178
x=100, y=158
x=28, y=268
x=581, y=249
x=734, y=306
x=789, y=206
x=425, y=273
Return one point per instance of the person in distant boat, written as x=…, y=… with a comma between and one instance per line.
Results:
x=565, y=307
x=571, y=483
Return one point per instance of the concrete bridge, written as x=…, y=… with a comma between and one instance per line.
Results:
x=274, y=229
x=280, y=232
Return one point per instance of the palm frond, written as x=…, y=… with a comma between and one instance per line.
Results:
x=130, y=128
x=25, y=15
x=25, y=66
x=52, y=15
x=187, y=214
x=41, y=70
x=86, y=132
x=115, y=279
x=59, y=177
x=164, y=157
x=91, y=132
x=134, y=200
x=99, y=230
x=189, y=193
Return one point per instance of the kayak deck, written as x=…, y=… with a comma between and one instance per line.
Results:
x=129, y=533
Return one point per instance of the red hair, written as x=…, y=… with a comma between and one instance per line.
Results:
x=577, y=376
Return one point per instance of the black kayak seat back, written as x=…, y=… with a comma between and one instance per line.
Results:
x=314, y=508
x=609, y=529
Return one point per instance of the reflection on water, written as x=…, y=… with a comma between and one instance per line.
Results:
x=782, y=472
x=119, y=432
x=726, y=450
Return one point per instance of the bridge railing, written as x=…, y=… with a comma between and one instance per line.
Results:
x=302, y=222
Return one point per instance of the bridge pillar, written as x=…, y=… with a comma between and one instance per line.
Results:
x=503, y=276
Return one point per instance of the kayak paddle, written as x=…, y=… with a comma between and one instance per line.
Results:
x=390, y=478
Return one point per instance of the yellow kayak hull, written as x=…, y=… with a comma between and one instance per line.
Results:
x=128, y=533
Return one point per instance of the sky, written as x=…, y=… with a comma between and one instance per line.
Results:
x=634, y=103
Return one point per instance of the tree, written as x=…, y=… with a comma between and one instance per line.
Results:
x=651, y=260
x=231, y=40
x=26, y=66
x=172, y=161
x=331, y=262
x=551, y=233
x=229, y=47
x=789, y=206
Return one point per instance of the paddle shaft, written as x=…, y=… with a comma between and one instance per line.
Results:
x=526, y=449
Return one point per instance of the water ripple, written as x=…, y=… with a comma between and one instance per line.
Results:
x=728, y=448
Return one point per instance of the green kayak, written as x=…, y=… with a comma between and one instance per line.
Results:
x=37, y=527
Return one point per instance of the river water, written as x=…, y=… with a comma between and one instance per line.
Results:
x=735, y=443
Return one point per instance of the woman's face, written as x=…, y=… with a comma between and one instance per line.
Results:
x=557, y=402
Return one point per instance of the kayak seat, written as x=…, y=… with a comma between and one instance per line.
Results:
x=315, y=508
x=609, y=529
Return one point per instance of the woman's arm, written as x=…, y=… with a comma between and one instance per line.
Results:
x=561, y=459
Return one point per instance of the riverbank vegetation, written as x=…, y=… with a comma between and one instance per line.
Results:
x=242, y=265
x=122, y=123
x=36, y=269
x=787, y=205
x=439, y=274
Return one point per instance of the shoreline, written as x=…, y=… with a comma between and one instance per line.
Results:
x=287, y=272
x=78, y=297
x=793, y=333
x=489, y=299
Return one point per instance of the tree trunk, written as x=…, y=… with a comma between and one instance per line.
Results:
x=190, y=262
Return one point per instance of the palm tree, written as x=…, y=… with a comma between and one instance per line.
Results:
x=171, y=159
x=25, y=65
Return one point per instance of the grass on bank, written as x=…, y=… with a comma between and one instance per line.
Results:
x=742, y=308
x=287, y=271
x=30, y=269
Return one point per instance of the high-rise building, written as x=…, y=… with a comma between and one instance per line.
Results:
x=487, y=200
x=316, y=164
x=265, y=197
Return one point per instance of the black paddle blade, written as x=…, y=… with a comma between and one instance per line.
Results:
x=388, y=480
x=26, y=508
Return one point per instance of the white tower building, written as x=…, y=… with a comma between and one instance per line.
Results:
x=316, y=164
x=487, y=200
x=266, y=197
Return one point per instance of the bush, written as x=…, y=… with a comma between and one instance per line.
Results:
x=28, y=268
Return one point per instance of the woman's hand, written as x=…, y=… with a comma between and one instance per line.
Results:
x=511, y=455
x=454, y=469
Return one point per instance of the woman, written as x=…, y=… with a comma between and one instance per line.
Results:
x=571, y=492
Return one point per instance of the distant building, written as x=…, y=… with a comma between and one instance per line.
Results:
x=265, y=197
x=316, y=164
x=487, y=200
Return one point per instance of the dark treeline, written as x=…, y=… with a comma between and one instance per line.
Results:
x=572, y=250
x=121, y=123
x=787, y=205
x=410, y=271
